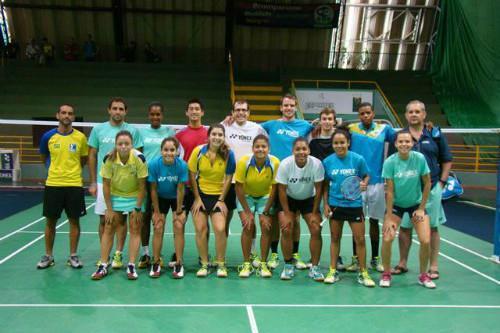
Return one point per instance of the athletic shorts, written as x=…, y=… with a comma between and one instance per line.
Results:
x=256, y=204
x=209, y=202
x=303, y=206
x=349, y=214
x=100, y=204
x=400, y=211
x=70, y=199
x=188, y=199
x=434, y=209
x=374, y=201
x=231, y=198
x=167, y=204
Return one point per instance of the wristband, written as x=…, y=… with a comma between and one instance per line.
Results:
x=266, y=213
x=444, y=182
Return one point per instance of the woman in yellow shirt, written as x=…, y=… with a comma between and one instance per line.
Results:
x=256, y=189
x=124, y=173
x=211, y=169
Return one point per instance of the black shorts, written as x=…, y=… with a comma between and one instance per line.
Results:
x=349, y=214
x=167, y=204
x=400, y=211
x=230, y=200
x=209, y=202
x=188, y=199
x=149, y=202
x=303, y=206
x=70, y=198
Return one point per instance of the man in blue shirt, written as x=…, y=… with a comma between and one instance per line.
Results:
x=435, y=148
x=368, y=140
x=282, y=133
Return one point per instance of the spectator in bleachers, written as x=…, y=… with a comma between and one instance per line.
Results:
x=129, y=52
x=71, y=50
x=33, y=50
x=90, y=49
x=151, y=53
x=12, y=49
x=47, y=52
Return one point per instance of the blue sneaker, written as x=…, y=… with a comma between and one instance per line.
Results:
x=315, y=274
x=288, y=272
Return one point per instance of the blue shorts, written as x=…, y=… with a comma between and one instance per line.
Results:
x=125, y=205
x=256, y=204
x=433, y=208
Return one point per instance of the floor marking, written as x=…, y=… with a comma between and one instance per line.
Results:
x=476, y=204
x=465, y=249
x=21, y=229
x=251, y=319
x=34, y=241
x=356, y=306
x=464, y=265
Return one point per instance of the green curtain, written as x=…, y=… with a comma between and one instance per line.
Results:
x=466, y=64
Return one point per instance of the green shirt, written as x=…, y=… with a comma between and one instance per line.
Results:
x=152, y=138
x=102, y=138
x=407, y=177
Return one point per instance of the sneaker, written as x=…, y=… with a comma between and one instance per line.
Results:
x=264, y=271
x=101, y=272
x=144, y=262
x=45, y=262
x=297, y=261
x=365, y=279
x=221, y=270
x=288, y=272
x=385, y=281
x=173, y=260
x=315, y=274
x=203, y=271
x=340, y=264
x=74, y=262
x=178, y=272
x=425, y=280
x=131, y=272
x=117, y=262
x=274, y=261
x=99, y=262
x=332, y=276
x=376, y=265
x=354, y=266
x=254, y=258
x=210, y=263
x=155, y=270
x=245, y=270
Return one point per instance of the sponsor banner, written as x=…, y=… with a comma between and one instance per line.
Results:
x=312, y=101
x=319, y=16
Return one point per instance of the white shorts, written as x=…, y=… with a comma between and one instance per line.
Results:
x=100, y=204
x=374, y=201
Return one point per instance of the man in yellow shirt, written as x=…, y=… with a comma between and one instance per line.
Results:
x=64, y=151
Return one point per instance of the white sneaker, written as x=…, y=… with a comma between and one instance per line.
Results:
x=425, y=280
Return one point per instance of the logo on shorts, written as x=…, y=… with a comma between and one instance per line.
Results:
x=72, y=147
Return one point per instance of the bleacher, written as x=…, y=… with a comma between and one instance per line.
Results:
x=30, y=91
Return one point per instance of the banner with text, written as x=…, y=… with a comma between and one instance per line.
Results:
x=312, y=101
x=319, y=16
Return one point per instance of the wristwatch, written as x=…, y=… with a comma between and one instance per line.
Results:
x=266, y=213
x=137, y=209
x=444, y=182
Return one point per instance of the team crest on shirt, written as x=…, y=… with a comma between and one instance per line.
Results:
x=72, y=147
x=57, y=146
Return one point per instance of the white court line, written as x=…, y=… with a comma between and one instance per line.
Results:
x=34, y=241
x=251, y=319
x=356, y=306
x=464, y=265
x=465, y=249
x=476, y=204
x=21, y=229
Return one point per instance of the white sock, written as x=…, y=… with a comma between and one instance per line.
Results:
x=145, y=250
x=253, y=245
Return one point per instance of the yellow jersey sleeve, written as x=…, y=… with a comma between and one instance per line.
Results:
x=239, y=175
x=193, y=159
x=142, y=169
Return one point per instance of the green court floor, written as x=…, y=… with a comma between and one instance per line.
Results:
x=63, y=299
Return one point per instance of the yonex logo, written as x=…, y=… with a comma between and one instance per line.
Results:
x=293, y=134
x=300, y=180
x=172, y=179
x=240, y=137
x=108, y=140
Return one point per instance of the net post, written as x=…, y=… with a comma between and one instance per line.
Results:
x=496, y=249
